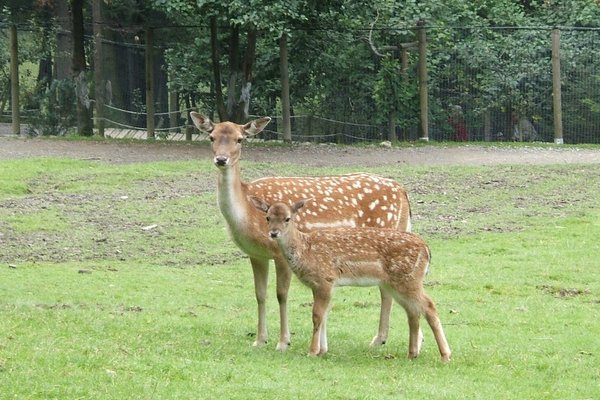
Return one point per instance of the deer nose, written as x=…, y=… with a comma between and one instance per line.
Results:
x=221, y=161
x=274, y=234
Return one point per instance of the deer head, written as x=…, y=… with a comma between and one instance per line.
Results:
x=280, y=217
x=226, y=137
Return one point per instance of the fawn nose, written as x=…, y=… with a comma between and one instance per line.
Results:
x=274, y=234
x=221, y=161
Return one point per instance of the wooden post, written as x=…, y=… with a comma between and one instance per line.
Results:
x=98, y=62
x=285, y=89
x=150, y=82
x=556, y=87
x=423, y=104
x=487, y=125
x=14, y=81
x=391, y=136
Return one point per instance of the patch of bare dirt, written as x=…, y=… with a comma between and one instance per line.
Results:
x=305, y=154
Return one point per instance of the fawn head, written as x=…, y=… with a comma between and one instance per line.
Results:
x=226, y=137
x=280, y=216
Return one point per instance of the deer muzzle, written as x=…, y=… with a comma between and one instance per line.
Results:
x=221, y=161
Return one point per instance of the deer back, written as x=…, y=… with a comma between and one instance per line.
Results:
x=353, y=200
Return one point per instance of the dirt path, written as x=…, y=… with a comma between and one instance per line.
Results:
x=313, y=155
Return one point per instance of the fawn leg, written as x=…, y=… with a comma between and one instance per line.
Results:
x=284, y=277
x=415, y=334
x=436, y=326
x=384, y=318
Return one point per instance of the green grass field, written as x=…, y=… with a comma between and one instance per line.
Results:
x=119, y=282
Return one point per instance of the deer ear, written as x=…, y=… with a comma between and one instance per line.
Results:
x=260, y=204
x=299, y=204
x=202, y=122
x=256, y=126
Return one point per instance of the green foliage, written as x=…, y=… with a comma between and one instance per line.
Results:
x=55, y=115
x=394, y=92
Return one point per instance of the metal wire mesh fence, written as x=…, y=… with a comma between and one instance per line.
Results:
x=484, y=84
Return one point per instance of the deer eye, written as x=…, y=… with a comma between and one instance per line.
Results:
x=287, y=219
x=212, y=139
x=268, y=219
x=240, y=140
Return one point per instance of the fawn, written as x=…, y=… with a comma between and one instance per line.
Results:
x=395, y=261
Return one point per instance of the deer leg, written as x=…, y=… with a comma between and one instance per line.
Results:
x=284, y=277
x=384, y=318
x=436, y=326
x=260, y=269
x=321, y=298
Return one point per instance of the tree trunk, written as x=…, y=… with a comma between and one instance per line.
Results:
x=285, y=89
x=62, y=59
x=98, y=64
x=14, y=81
x=150, y=82
x=214, y=47
x=242, y=108
x=423, y=91
x=84, y=120
x=234, y=70
x=238, y=89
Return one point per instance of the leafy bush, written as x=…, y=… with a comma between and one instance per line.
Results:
x=56, y=114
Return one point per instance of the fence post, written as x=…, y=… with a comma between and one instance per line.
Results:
x=423, y=104
x=14, y=80
x=285, y=89
x=556, y=87
x=150, y=82
x=98, y=61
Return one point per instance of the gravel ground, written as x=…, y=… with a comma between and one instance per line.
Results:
x=314, y=155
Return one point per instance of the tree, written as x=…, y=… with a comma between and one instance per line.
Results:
x=79, y=68
x=236, y=26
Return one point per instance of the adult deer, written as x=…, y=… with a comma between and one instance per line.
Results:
x=348, y=200
x=395, y=261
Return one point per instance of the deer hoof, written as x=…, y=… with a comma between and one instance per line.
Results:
x=282, y=346
x=377, y=341
x=259, y=343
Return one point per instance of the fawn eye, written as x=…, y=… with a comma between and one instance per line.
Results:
x=268, y=219
x=287, y=219
x=212, y=139
x=240, y=140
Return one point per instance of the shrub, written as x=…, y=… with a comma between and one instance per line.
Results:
x=56, y=114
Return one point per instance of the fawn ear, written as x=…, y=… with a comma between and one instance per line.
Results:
x=260, y=204
x=299, y=204
x=256, y=126
x=202, y=122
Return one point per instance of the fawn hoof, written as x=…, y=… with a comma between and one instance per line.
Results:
x=282, y=346
x=259, y=343
x=377, y=341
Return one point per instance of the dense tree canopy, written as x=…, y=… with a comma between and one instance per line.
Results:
x=346, y=57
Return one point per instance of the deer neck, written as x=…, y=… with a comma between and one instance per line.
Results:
x=293, y=244
x=231, y=195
